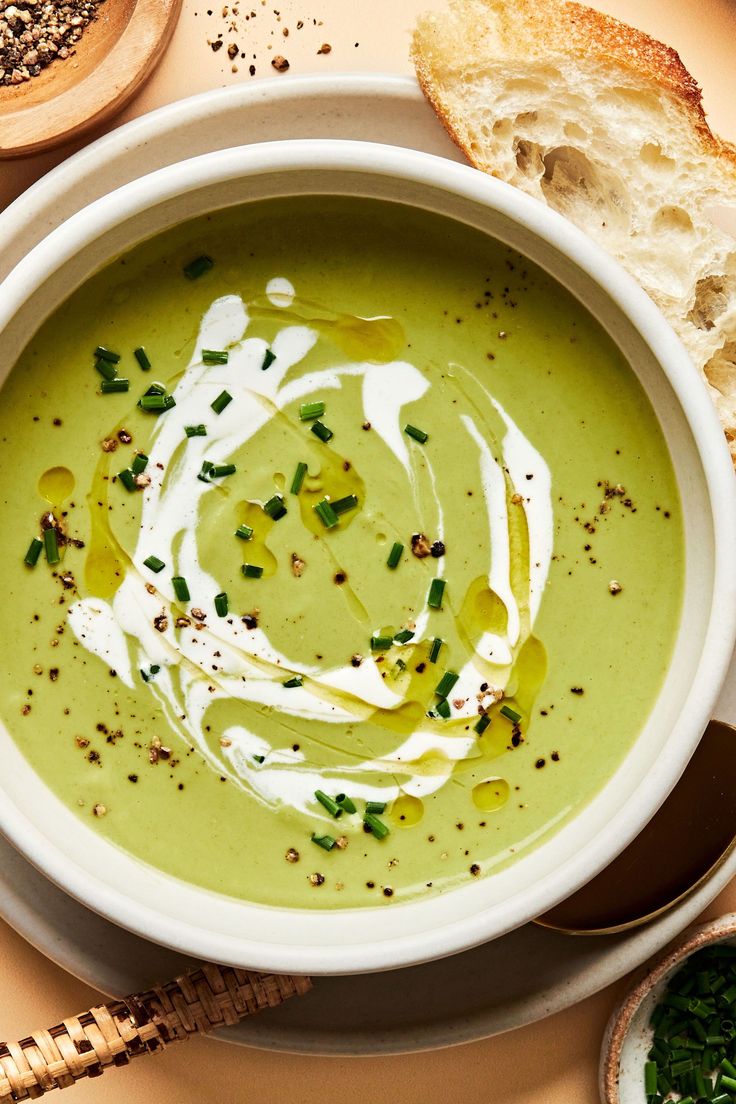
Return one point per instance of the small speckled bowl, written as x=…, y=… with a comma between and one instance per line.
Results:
x=628, y=1035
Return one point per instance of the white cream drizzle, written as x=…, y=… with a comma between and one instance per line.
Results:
x=121, y=633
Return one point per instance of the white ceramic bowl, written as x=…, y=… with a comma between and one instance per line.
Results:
x=214, y=927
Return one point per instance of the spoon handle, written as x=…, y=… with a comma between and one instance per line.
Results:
x=111, y=1034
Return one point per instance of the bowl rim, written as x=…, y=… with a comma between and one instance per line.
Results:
x=372, y=159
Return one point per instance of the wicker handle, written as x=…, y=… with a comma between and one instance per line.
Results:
x=112, y=1034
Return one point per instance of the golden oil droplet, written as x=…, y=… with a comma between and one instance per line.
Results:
x=490, y=795
x=407, y=810
x=56, y=485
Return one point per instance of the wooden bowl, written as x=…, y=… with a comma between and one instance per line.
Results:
x=628, y=1036
x=114, y=56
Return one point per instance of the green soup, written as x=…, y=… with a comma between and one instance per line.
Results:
x=369, y=570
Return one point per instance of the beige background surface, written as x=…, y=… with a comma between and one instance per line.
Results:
x=549, y=1063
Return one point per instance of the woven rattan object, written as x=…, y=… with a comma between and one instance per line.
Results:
x=112, y=1034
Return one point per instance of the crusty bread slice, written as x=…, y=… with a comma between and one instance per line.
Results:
x=605, y=125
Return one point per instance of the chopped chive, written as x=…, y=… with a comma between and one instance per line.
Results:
x=140, y=463
x=141, y=356
x=205, y=471
x=377, y=827
x=446, y=683
x=512, y=715
x=342, y=505
x=296, y=483
x=346, y=803
x=482, y=723
x=107, y=354
x=51, y=545
x=154, y=563
x=223, y=399
x=111, y=386
x=308, y=411
x=650, y=1078
x=215, y=356
x=275, y=507
x=293, y=683
x=395, y=555
x=325, y=842
x=251, y=571
x=434, y=651
x=127, y=478
x=151, y=673
x=436, y=591
x=222, y=606
x=418, y=434
x=326, y=514
x=34, y=551
x=259, y=759
x=381, y=643
x=443, y=709
x=196, y=430
x=398, y=668
x=319, y=429
x=107, y=370
x=155, y=389
x=404, y=636
x=375, y=807
x=181, y=590
x=221, y=470
x=198, y=267
x=329, y=803
x=268, y=359
x=155, y=402
x=244, y=532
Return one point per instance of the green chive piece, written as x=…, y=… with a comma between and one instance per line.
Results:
x=446, y=683
x=156, y=389
x=326, y=514
x=221, y=470
x=151, y=673
x=34, y=551
x=308, y=411
x=512, y=715
x=154, y=563
x=443, y=709
x=434, y=651
x=650, y=1078
x=418, y=434
x=259, y=759
x=215, y=356
x=375, y=807
x=377, y=827
x=329, y=803
x=223, y=399
x=275, y=507
x=111, y=386
x=127, y=478
x=482, y=723
x=156, y=403
x=222, y=605
x=107, y=370
x=404, y=636
x=342, y=505
x=198, y=267
x=205, y=471
x=107, y=354
x=196, y=430
x=436, y=591
x=395, y=555
x=293, y=683
x=319, y=429
x=181, y=590
x=325, y=842
x=251, y=571
x=268, y=359
x=141, y=356
x=296, y=483
x=140, y=463
x=381, y=643
x=729, y=1082
x=244, y=532
x=51, y=545
x=346, y=803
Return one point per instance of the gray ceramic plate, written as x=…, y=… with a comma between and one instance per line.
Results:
x=522, y=977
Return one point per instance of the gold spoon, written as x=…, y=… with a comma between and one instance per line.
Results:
x=683, y=844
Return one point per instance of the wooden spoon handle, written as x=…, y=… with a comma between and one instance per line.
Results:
x=113, y=1033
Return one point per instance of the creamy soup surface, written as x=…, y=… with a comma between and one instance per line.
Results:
x=353, y=553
